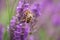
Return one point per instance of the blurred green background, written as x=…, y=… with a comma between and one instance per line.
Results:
x=7, y=10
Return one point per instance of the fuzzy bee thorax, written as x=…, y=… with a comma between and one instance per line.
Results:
x=28, y=15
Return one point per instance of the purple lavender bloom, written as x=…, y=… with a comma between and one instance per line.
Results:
x=20, y=23
x=35, y=8
x=17, y=31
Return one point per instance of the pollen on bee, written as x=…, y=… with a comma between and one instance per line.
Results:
x=29, y=16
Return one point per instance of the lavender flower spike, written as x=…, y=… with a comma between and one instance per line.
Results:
x=18, y=31
x=21, y=25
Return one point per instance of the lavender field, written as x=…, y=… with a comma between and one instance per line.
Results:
x=29, y=19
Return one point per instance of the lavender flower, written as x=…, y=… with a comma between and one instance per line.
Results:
x=21, y=24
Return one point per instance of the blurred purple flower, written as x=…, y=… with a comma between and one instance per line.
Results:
x=35, y=7
x=1, y=32
x=18, y=31
x=56, y=20
x=58, y=37
x=20, y=25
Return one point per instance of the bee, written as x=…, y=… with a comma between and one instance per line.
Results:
x=28, y=16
